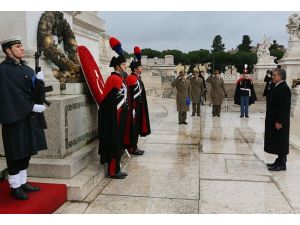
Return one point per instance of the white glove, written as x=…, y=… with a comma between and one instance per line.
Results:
x=133, y=113
x=40, y=75
x=38, y=108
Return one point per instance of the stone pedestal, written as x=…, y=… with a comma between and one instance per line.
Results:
x=295, y=108
x=291, y=61
x=72, y=123
x=260, y=70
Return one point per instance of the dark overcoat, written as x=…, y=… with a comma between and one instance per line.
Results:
x=278, y=110
x=21, y=134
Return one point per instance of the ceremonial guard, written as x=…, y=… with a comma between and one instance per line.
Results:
x=216, y=92
x=138, y=122
x=21, y=132
x=277, y=122
x=197, y=90
x=183, y=96
x=244, y=93
x=112, y=115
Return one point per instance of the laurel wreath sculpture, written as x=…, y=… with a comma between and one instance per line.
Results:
x=50, y=24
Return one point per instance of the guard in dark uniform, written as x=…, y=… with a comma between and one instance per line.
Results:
x=112, y=115
x=21, y=134
x=138, y=122
x=244, y=93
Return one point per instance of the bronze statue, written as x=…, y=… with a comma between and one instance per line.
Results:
x=53, y=23
x=295, y=82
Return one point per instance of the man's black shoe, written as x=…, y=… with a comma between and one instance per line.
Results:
x=247, y=116
x=180, y=123
x=272, y=164
x=184, y=122
x=198, y=114
x=277, y=167
x=124, y=174
x=28, y=188
x=138, y=152
x=18, y=193
x=119, y=175
x=193, y=114
x=241, y=116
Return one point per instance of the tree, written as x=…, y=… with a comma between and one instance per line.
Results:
x=276, y=46
x=241, y=58
x=199, y=57
x=179, y=56
x=127, y=55
x=217, y=45
x=151, y=53
x=277, y=53
x=221, y=59
x=245, y=46
x=276, y=50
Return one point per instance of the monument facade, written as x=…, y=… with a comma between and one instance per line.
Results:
x=291, y=59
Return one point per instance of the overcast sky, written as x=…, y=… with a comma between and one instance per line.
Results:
x=188, y=31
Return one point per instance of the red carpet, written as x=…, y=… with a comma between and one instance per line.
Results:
x=47, y=200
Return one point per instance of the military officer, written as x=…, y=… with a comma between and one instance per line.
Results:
x=197, y=90
x=183, y=96
x=216, y=92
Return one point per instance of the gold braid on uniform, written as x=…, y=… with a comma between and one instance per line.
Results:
x=53, y=23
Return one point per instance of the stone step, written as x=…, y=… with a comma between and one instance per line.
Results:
x=67, y=167
x=3, y=172
x=80, y=185
x=2, y=164
x=83, y=183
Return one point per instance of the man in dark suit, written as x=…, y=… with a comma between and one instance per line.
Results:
x=277, y=123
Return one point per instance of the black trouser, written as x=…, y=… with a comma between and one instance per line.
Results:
x=15, y=166
x=182, y=117
x=216, y=110
x=196, y=106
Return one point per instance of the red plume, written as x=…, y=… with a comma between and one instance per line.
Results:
x=137, y=50
x=113, y=42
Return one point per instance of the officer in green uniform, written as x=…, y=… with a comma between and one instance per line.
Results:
x=217, y=92
x=182, y=86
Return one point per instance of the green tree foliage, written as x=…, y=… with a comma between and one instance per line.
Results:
x=221, y=59
x=277, y=53
x=217, y=45
x=200, y=56
x=246, y=44
x=179, y=56
x=127, y=55
x=241, y=58
x=151, y=53
x=276, y=50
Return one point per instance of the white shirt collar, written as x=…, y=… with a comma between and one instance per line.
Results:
x=279, y=83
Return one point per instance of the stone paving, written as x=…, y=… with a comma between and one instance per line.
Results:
x=211, y=165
